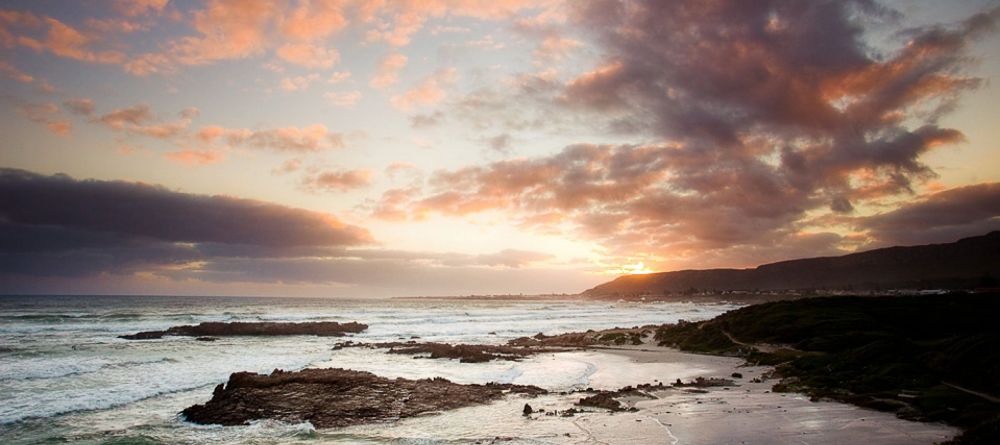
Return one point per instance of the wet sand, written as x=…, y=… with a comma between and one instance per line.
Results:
x=744, y=414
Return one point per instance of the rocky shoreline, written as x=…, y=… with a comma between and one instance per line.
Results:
x=333, y=397
x=221, y=329
x=464, y=353
x=514, y=350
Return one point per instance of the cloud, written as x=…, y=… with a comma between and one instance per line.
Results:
x=137, y=210
x=59, y=38
x=339, y=76
x=116, y=26
x=395, y=205
x=552, y=46
x=46, y=114
x=429, y=91
x=62, y=234
x=11, y=72
x=226, y=29
x=345, y=99
x=511, y=258
x=338, y=180
x=140, y=120
x=308, y=55
x=387, y=73
x=397, y=22
x=196, y=157
x=291, y=139
x=298, y=83
x=312, y=20
x=500, y=143
x=485, y=43
x=426, y=120
x=221, y=30
x=132, y=116
x=288, y=166
x=355, y=277
x=140, y=7
x=938, y=217
x=399, y=168
x=80, y=106
x=56, y=226
x=754, y=119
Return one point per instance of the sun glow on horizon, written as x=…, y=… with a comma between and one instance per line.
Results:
x=630, y=269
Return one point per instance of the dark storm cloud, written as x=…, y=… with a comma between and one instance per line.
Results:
x=59, y=226
x=147, y=211
x=760, y=112
x=940, y=217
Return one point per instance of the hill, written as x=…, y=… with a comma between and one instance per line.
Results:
x=967, y=263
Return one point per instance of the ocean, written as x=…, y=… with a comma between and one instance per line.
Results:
x=65, y=377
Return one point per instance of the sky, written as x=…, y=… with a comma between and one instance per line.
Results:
x=374, y=148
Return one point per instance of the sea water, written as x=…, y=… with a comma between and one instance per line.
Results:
x=65, y=377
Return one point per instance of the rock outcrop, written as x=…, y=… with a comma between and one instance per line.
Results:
x=330, y=398
x=606, y=337
x=220, y=329
x=465, y=353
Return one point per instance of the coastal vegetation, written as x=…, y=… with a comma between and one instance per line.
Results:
x=930, y=358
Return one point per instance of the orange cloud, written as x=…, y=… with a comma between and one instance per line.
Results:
x=387, y=73
x=338, y=180
x=140, y=119
x=140, y=7
x=196, y=157
x=298, y=83
x=14, y=73
x=46, y=114
x=429, y=91
x=308, y=55
x=228, y=29
x=397, y=22
x=293, y=139
x=339, y=76
x=312, y=20
x=345, y=99
x=81, y=106
x=65, y=41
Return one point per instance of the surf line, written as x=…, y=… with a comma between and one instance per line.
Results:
x=590, y=435
x=673, y=438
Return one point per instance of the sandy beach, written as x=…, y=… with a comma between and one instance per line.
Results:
x=748, y=413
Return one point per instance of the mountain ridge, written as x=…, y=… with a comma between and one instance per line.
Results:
x=966, y=263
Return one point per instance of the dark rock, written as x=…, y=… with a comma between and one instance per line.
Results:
x=150, y=335
x=702, y=382
x=736, y=375
x=220, y=329
x=569, y=413
x=464, y=353
x=527, y=410
x=206, y=339
x=606, y=337
x=330, y=398
x=601, y=400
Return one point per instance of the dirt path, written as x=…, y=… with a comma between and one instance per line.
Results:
x=762, y=347
x=975, y=393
